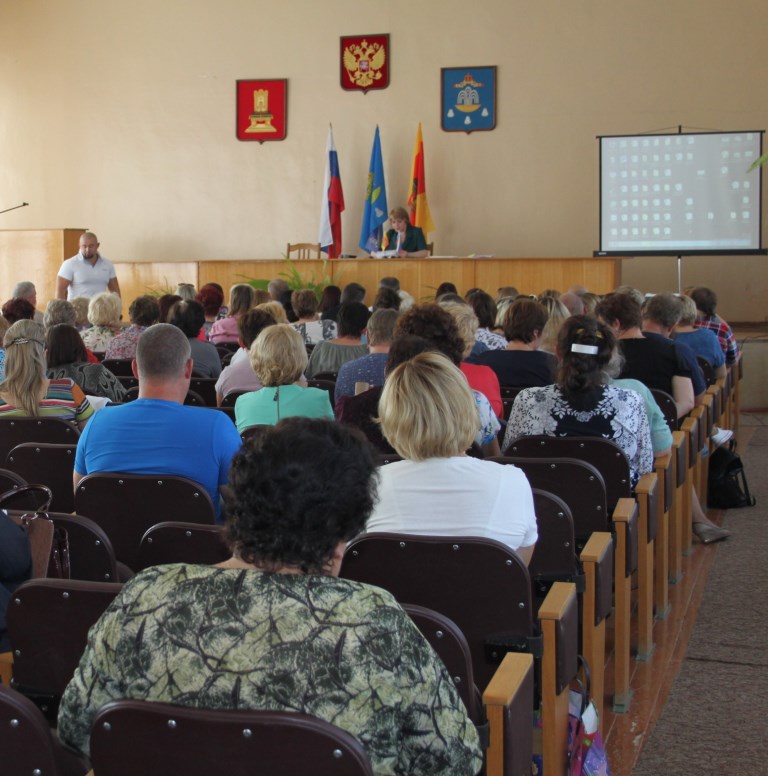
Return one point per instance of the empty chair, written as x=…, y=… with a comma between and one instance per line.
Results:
x=177, y=542
x=48, y=623
x=15, y=431
x=206, y=388
x=27, y=743
x=303, y=250
x=49, y=464
x=238, y=743
x=126, y=505
x=121, y=367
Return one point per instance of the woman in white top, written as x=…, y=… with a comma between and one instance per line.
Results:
x=428, y=414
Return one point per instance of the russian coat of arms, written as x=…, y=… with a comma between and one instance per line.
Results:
x=364, y=62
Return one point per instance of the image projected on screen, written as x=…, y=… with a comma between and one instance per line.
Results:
x=681, y=193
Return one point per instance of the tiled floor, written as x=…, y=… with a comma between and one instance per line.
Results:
x=626, y=734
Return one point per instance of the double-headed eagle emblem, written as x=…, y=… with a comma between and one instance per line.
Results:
x=363, y=63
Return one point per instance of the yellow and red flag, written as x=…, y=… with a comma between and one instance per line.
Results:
x=417, y=190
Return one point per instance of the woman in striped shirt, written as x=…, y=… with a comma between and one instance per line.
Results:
x=26, y=391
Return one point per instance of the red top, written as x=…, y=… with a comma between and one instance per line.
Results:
x=484, y=379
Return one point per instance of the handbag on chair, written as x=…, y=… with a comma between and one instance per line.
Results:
x=49, y=544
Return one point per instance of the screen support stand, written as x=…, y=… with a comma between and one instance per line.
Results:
x=679, y=274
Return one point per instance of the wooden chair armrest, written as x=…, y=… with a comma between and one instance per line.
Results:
x=6, y=668
x=508, y=700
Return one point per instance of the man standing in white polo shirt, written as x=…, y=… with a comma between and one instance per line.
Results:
x=88, y=273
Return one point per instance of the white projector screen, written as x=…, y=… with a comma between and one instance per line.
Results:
x=680, y=194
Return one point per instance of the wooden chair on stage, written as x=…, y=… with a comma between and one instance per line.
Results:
x=494, y=609
x=303, y=251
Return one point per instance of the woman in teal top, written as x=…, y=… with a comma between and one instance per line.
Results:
x=404, y=238
x=279, y=358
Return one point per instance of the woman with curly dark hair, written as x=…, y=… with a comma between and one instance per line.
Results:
x=274, y=627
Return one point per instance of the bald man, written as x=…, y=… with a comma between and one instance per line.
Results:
x=88, y=273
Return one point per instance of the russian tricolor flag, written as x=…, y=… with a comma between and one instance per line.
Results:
x=332, y=203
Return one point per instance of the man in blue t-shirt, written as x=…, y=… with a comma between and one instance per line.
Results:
x=157, y=433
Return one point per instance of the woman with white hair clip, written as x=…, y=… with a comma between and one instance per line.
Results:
x=279, y=358
x=25, y=391
x=438, y=490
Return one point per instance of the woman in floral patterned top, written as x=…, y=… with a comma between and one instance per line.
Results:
x=104, y=314
x=274, y=627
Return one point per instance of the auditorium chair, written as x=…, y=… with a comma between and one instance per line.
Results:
x=707, y=370
x=9, y=481
x=48, y=622
x=238, y=743
x=126, y=505
x=611, y=462
x=15, y=431
x=50, y=464
x=331, y=376
x=230, y=399
x=303, y=251
x=120, y=367
x=27, y=743
x=580, y=486
x=667, y=406
x=691, y=428
x=178, y=542
x=206, y=388
x=326, y=385
x=485, y=588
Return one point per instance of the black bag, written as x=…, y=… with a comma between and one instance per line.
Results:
x=728, y=487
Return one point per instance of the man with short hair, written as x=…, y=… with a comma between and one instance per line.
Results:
x=143, y=312
x=706, y=304
x=369, y=368
x=157, y=433
x=26, y=290
x=88, y=273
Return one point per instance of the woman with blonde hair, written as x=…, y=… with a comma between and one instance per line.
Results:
x=558, y=312
x=438, y=490
x=240, y=301
x=275, y=309
x=104, y=312
x=26, y=391
x=279, y=358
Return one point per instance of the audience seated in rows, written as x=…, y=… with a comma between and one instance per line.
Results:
x=104, y=312
x=211, y=298
x=26, y=290
x=26, y=391
x=299, y=638
x=279, y=358
x=330, y=302
x=143, y=312
x=485, y=310
x=329, y=355
x=581, y=403
x=705, y=300
x=66, y=358
x=557, y=312
x=239, y=374
x=189, y=317
x=225, y=329
x=437, y=489
x=522, y=363
x=156, y=433
x=312, y=328
x=702, y=341
x=369, y=368
x=166, y=303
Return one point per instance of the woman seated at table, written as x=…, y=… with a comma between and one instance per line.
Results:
x=279, y=358
x=428, y=414
x=403, y=237
x=26, y=391
x=66, y=357
x=274, y=627
x=522, y=364
x=581, y=403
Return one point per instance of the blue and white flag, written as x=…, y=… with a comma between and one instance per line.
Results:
x=375, y=212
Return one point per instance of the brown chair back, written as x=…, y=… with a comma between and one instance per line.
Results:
x=15, y=431
x=177, y=542
x=48, y=623
x=126, y=505
x=303, y=251
x=668, y=408
x=238, y=743
x=480, y=584
x=49, y=464
x=120, y=367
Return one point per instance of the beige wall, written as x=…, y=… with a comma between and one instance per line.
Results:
x=121, y=116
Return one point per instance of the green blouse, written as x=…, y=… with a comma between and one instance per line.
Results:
x=414, y=240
